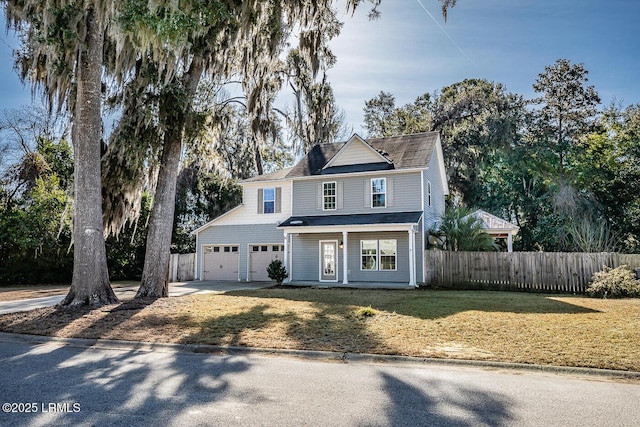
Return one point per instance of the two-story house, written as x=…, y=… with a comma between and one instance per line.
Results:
x=346, y=214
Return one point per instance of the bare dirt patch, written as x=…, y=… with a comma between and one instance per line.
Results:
x=510, y=327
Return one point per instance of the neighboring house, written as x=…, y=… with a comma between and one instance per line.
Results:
x=347, y=213
x=496, y=227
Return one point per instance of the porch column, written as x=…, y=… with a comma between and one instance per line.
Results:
x=509, y=242
x=345, y=280
x=286, y=256
x=412, y=257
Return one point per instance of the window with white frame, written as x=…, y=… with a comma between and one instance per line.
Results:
x=369, y=254
x=428, y=193
x=379, y=255
x=269, y=200
x=329, y=196
x=378, y=192
x=388, y=250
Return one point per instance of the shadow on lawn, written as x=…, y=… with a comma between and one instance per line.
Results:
x=326, y=328
x=426, y=304
x=50, y=320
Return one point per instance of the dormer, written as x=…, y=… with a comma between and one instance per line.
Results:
x=357, y=151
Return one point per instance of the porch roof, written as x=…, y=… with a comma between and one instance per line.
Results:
x=387, y=218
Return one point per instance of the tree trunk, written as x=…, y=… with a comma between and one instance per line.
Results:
x=155, y=275
x=90, y=283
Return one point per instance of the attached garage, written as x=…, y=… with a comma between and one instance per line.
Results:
x=260, y=256
x=220, y=262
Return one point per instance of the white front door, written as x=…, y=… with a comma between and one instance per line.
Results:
x=328, y=258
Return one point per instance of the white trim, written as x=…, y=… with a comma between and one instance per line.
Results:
x=424, y=265
x=219, y=245
x=219, y=217
x=286, y=257
x=350, y=228
x=412, y=258
x=264, y=201
x=379, y=268
x=385, y=192
x=335, y=261
x=335, y=187
x=355, y=137
x=422, y=190
x=250, y=251
x=443, y=172
x=345, y=264
x=377, y=260
x=356, y=174
x=265, y=177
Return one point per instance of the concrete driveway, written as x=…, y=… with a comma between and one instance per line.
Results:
x=176, y=289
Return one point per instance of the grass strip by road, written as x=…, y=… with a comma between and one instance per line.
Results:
x=476, y=325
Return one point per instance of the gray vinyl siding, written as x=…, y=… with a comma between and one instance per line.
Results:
x=241, y=235
x=406, y=194
x=306, y=257
x=436, y=210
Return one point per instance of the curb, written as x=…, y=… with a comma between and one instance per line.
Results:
x=314, y=355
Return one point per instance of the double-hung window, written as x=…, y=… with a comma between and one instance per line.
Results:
x=378, y=192
x=269, y=200
x=329, y=196
x=379, y=255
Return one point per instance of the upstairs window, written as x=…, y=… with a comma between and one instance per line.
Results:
x=428, y=193
x=329, y=196
x=269, y=200
x=378, y=192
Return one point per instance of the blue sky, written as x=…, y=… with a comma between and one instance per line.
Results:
x=509, y=41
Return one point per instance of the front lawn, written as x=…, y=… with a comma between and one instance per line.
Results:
x=479, y=325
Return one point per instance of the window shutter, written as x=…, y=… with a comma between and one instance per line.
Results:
x=339, y=194
x=389, y=195
x=319, y=197
x=278, y=200
x=260, y=201
x=367, y=193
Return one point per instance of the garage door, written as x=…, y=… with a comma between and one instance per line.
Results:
x=261, y=257
x=220, y=263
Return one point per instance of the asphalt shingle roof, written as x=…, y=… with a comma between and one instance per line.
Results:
x=357, y=219
x=405, y=152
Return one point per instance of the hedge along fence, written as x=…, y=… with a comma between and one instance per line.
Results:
x=523, y=271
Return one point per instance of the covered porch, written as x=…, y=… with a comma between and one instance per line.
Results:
x=352, y=285
x=378, y=251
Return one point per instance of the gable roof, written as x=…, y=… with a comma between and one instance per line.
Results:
x=494, y=225
x=273, y=176
x=356, y=151
x=403, y=152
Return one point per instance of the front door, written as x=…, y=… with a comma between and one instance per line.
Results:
x=328, y=255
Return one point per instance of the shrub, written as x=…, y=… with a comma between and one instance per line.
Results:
x=367, y=312
x=619, y=282
x=277, y=271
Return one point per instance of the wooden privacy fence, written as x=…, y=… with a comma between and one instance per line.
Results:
x=528, y=271
x=182, y=267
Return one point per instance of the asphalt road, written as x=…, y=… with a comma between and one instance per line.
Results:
x=67, y=385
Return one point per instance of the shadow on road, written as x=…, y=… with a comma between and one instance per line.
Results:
x=444, y=404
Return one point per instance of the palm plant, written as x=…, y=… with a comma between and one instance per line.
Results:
x=461, y=231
